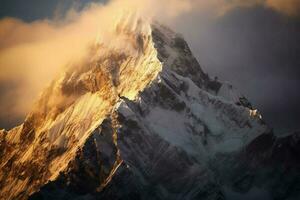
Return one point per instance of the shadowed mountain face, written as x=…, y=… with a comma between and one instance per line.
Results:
x=142, y=120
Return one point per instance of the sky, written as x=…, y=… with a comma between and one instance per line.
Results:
x=253, y=44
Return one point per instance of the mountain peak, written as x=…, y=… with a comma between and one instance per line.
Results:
x=113, y=125
x=122, y=65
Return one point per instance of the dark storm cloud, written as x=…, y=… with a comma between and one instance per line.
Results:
x=39, y=9
x=30, y=10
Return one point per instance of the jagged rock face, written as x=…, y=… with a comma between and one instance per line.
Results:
x=144, y=122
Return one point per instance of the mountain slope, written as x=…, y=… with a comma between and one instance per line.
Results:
x=138, y=119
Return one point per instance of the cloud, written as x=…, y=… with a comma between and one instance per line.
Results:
x=32, y=54
x=288, y=7
x=221, y=7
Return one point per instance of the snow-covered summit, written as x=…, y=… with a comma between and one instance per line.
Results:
x=137, y=119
